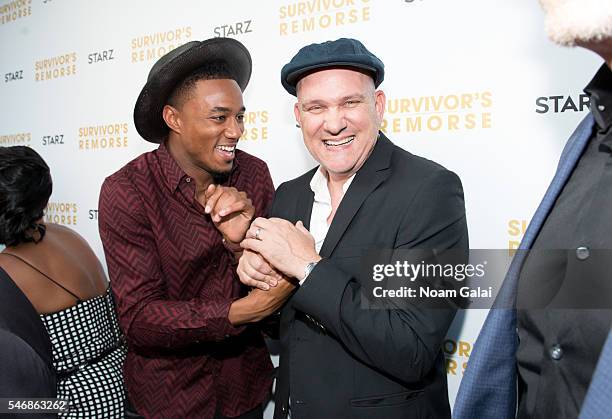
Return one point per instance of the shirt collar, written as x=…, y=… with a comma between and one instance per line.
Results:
x=318, y=184
x=600, y=93
x=170, y=170
x=173, y=174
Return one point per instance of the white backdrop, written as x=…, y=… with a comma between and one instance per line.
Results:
x=474, y=85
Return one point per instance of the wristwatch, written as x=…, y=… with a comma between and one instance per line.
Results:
x=308, y=269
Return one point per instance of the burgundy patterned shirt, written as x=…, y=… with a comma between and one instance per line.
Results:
x=174, y=282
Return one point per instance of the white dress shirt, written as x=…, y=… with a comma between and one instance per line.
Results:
x=322, y=207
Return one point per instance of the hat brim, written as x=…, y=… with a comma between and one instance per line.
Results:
x=154, y=95
x=292, y=78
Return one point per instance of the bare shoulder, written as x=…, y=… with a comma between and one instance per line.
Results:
x=68, y=236
x=62, y=260
x=73, y=247
x=79, y=259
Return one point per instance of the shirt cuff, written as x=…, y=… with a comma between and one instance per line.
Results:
x=226, y=329
x=301, y=281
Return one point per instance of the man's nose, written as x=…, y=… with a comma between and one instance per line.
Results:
x=234, y=128
x=335, y=121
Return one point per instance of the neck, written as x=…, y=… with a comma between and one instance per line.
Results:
x=335, y=184
x=336, y=181
x=201, y=177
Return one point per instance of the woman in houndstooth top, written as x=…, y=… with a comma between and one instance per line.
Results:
x=63, y=279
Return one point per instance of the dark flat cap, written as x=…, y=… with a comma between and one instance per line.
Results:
x=174, y=67
x=343, y=52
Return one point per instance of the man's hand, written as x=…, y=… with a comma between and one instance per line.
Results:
x=256, y=272
x=230, y=210
x=289, y=248
x=259, y=304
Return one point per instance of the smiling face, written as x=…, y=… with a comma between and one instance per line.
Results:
x=206, y=126
x=340, y=114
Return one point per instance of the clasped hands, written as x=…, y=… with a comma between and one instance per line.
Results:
x=273, y=249
x=273, y=252
x=230, y=210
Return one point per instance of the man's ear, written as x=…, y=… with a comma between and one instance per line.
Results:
x=172, y=118
x=296, y=112
x=380, y=102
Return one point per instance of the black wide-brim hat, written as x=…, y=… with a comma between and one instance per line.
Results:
x=343, y=52
x=173, y=68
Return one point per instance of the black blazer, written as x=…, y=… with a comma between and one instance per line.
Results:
x=337, y=359
x=26, y=364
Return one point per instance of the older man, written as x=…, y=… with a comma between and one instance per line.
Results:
x=551, y=346
x=340, y=359
x=171, y=222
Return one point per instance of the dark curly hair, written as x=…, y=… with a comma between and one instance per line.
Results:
x=25, y=188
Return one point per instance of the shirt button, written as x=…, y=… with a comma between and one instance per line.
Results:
x=284, y=408
x=556, y=352
x=582, y=253
x=601, y=107
x=188, y=179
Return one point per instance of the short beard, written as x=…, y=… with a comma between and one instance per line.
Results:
x=572, y=22
x=220, y=177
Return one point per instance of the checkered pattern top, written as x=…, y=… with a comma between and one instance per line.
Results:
x=88, y=355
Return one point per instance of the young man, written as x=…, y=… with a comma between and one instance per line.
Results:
x=171, y=222
x=340, y=359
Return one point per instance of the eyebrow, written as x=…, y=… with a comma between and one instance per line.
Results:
x=355, y=96
x=226, y=110
x=342, y=99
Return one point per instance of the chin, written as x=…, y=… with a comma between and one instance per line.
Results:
x=339, y=169
x=572, y=22
x=220, y=176
x=219, y=172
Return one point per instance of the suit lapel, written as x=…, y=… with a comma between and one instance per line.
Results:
x=303, y=209
x=567, y=163
x=374, y=171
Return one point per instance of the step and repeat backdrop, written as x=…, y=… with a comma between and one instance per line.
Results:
x=472, y=84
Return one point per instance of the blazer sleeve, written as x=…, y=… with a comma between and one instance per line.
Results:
x=23, y=373
x=403, y=342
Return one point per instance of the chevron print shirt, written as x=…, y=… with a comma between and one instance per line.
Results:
x=174, y=282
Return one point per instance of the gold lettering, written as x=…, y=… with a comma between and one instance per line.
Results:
x=486, y=120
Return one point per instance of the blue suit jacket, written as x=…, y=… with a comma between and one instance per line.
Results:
x=489, y=386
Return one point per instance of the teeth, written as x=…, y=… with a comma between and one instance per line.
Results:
x=227, y=148
x=339, y=142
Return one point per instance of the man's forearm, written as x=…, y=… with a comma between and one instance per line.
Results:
x=259, y=304
x=164, y=324
x=244, y=311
